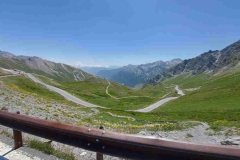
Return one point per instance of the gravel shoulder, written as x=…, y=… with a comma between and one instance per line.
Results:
x=38, y=107
x=200, y=134
x=23, y=153
x=30, y=105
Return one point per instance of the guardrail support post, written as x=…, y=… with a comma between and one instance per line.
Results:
x=100, y=155
x=17, y=135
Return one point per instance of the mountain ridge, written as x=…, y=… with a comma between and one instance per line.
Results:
x=215, y=61
x=132, y=75
x=58, y=71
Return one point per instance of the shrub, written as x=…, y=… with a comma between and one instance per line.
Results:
x=55, y=114
x=19, y=103
x=4, y=109
x=44, y=147
x=189, y=135
x=27, y=112
x=220, y=122
x=48, y=105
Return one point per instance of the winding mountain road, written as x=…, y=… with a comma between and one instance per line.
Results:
x=179, y=91
x=161, y=102
x=74, y=99
x=65, y=94
x=156, y=105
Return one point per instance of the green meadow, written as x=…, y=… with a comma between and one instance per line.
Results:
x=93, y=90
x=215, y=100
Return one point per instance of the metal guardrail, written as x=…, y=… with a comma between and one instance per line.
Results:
x=114, y=144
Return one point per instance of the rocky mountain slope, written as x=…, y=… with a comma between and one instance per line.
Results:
x=40, y=66
x=199, y=64
x=132, y=75
x=215, y=61
x=229, y=57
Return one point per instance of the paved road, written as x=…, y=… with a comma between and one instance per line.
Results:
x=65, y=94
x=74, y=99
x=179, y=91
x=84, y=103
x=161, y=102
x=156, y=105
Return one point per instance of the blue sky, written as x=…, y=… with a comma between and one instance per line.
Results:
x=117, y=32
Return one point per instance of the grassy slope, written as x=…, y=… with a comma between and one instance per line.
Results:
x=27, y=86
x=62, y=75
x=217, y=102
x=4, y=73
x=218, y=98
x=94, y=90
x=48, y=149
x=150, y=121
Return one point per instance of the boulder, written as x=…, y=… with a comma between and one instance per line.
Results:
x=142, y=133
x=231, y=141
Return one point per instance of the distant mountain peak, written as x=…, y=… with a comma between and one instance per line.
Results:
x=132, y=75
x=176, y=59
x=214, y=60
x=40, y=66
x=6, y=54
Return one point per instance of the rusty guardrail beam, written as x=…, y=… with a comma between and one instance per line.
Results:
x=116, y=144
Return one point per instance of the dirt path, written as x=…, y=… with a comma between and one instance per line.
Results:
x=114, y=115
x=72, y=98
x=8, y=76
x=166, y=95
x=109, y=84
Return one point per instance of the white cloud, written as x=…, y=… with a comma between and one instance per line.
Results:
x=80, y=64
